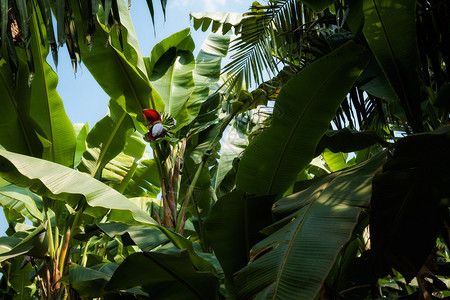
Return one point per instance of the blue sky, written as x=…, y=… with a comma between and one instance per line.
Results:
x=84, y=100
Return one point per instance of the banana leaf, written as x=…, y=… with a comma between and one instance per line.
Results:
x=293, y=261
x=47, y=108
x=302, y=113
x=106, y=139
x=390, y=29
x=61, y=183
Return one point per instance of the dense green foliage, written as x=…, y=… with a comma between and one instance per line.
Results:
x=328, y=181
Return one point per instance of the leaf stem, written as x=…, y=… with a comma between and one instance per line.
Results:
x=84, y=259
x=51, y=245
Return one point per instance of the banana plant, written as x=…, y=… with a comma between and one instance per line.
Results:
x=287, y=207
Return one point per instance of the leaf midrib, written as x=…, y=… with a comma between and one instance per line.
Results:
x=108, y=143
x=391, y=52
x=44, y=79
x=294, y=236
x=294, y=128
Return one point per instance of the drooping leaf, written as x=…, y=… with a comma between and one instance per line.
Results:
x=47, y=108
x=33, y=242
x=61, y=183
x=46, y=12
x=152, y=12
x=179, y=241
x=322, y=221
x=60, y=11
x=4, y=18
x=129, y=43
x=302, y=112
x=221, y=21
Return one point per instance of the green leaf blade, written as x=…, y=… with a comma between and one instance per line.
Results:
x=302, y=113
x=61, y=183
x=300, y=258
x=390, y=31
x=106, y=139
x=47, y=106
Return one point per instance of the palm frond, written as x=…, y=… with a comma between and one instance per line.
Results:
x=281, y=33
x=362, y=111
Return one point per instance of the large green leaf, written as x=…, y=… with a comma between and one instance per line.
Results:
x=293, y=262
x=180, y=41
x=303, y=110
x=390, y=30
x=169, y=277
x=200, y=202
x=73, y=187
x=47, y=108
x=207, y=70
x=107, y=138
x=116, y=74
x=171, y=73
